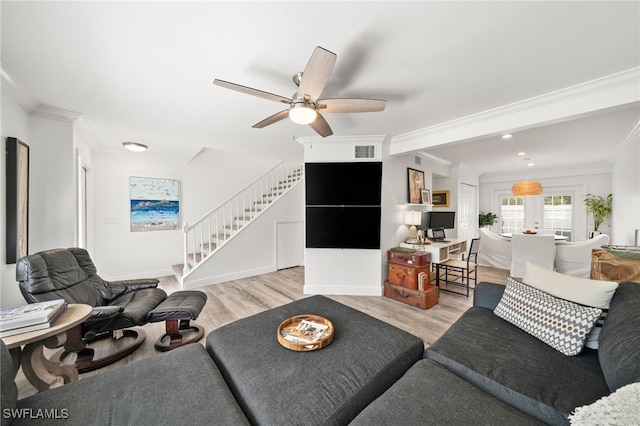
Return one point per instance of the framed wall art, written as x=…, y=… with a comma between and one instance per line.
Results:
x=415, y=179
x=425, y=196
x=17, y=193
x=440, y=198
x=154, y=203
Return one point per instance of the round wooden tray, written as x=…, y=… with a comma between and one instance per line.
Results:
x=290, y=324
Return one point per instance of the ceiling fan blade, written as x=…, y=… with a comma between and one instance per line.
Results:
x=273, y=119
x=321, y=126
x=316, y=74
x=351, y=105
x=251, y=91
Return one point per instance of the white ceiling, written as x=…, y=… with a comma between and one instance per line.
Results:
x=143, y=71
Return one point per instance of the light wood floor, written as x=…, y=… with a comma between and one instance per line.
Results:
x=233, y=300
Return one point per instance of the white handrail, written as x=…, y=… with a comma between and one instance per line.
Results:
x=233, y=214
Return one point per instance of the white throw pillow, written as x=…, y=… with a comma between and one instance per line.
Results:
x=587, y=292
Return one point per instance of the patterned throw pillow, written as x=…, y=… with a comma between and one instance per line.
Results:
x=561, y=324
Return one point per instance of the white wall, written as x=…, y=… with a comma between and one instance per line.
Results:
x=117, y=252
x=625, y=213
x=51, y=185
x=344, y=271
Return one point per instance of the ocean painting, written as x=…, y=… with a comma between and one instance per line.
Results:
x=155, y=204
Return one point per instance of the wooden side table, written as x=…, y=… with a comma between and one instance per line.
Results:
x=41, y=372
x=609, y=267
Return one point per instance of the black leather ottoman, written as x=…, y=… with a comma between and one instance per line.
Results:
x=329, y=386
x=177, y=310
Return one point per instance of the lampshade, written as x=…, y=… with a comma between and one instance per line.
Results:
x=412, y=217
x=301, y=113
x=135, y=146
x=526, y=187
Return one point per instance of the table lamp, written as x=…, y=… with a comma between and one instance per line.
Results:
x=411, y=219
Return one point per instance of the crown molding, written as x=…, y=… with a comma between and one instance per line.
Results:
x=30, y=104
x=612, y=91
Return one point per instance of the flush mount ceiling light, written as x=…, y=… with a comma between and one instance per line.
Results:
x=302, y=113
x=526, y=187
x=507, y=136
x=135, y=146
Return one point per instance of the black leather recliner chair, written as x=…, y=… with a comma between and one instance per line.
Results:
x=69, y=274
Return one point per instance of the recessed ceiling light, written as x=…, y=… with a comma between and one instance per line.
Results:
x=522, y=153
x=507, y=136
x=135, y=146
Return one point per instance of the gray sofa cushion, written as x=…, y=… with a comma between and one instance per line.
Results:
x=518, y=368
x=329, y=386
x=181, y=387
x=429, y=394
x=619, y=342
x=9, y=388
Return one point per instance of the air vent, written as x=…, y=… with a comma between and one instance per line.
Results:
x=418, y=160
x=365, y=151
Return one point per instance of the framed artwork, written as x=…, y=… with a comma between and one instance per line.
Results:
x=440, y=198
x=17, y=193
x=154, y=203
x=425, y=196
x=416, y=184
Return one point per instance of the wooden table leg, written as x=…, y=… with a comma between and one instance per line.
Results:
x=41, y=372
x=16, y=356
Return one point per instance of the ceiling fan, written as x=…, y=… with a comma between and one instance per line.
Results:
x=304, y=106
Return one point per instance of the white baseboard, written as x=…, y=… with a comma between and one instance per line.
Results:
x=191, y=284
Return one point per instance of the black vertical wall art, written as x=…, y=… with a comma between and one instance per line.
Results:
x=17, y=192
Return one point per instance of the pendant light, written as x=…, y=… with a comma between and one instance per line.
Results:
x=526, y=187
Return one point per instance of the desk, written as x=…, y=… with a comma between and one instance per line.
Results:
x=42, y=373
x=558, y=238
x=441, y=251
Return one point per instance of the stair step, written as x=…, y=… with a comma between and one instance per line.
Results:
x=233, y=227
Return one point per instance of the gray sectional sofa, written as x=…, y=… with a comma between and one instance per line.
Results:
x=482, y=371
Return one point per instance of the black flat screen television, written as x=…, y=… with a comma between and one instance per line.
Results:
x=343, y=184
x=343, y=227
x=439, y=220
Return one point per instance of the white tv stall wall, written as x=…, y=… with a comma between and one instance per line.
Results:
x=343, y=271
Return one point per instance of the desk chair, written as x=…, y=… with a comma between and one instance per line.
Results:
x=460, y=272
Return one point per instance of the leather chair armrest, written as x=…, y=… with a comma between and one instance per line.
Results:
x=125, y=286
x=101, y=313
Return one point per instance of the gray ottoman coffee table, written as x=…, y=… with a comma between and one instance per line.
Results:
x=329, y=386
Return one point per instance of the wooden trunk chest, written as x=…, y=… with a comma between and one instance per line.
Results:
x=411, y=259
x=421, y=299
x=408, y=276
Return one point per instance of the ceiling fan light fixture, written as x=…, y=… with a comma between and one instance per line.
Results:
x=135, y=146
x=302, y=113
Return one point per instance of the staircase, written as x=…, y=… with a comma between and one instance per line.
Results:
x=209, y=234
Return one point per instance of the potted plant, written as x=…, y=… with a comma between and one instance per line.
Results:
x=487, y=219
x=599, y=207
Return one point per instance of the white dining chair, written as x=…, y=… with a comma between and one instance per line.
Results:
x=574, y=258
x=537, y=249
x=495, y=251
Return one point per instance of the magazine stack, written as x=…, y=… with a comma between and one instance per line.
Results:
x=31, y=317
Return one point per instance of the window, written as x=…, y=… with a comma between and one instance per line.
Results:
x=511, y=214
x=557, y=211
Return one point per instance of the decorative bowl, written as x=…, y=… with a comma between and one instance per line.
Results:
x=627, y=252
